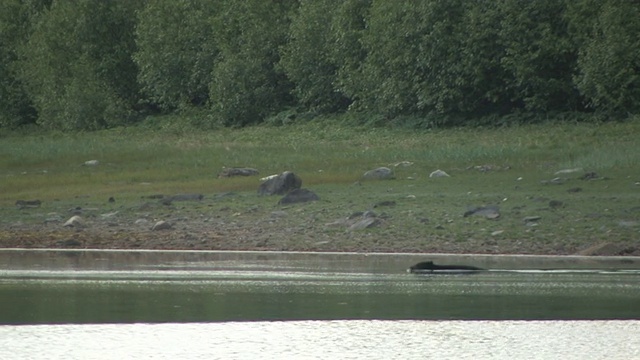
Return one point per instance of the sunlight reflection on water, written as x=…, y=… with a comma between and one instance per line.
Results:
x=340, y=339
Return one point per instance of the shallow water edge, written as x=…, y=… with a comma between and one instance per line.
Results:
x=61, y=259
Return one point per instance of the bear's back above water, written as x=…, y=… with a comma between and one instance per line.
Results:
x=429, y=267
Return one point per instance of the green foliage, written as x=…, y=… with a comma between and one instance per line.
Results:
x=83, y=65
x=609, y=61
x=306, y=57
x=246, y=84
x=16, y=108
x=176, y=51
x=78, y=67
x=538, y=54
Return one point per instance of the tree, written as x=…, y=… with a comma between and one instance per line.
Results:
x=306, y=57
x=77, y=64
x=609, y=62
x=176, y=51
x=16, y=108
x=246, y=85
x=539, y=55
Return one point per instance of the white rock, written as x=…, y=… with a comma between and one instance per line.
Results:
x=91, y=163
x=567, y=171
x=438, y=173
x=268, y=177
x=74, y=221
x=161, y=225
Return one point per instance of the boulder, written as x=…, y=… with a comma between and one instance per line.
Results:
x=237, y=171
x=281, y=184
x=298, y=196
x=381, y=173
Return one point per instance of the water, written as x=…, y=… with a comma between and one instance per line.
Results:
x=102, y=306
x=340, y=339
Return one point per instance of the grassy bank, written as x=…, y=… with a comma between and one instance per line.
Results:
x=520, y=163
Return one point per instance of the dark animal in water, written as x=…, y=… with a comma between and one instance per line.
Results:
x=428, y=267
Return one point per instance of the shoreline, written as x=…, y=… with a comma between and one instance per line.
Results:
x=85, y=259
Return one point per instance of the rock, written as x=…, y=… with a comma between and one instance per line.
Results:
x=109, y=215
x=182, y=197
x=603, y=249
x=489, y=212
x=91, y=163
x=555, y=204
x=112, y=199
x=74, y=221
x=488, y=167
x=590, y=176
x=381, y=173
x=530, y=219
x=403, y=164
x=161, y=225
x=364, y=223
x=238, y=171
x=280, y=184
x=141, y=222
x=22, y=204
x=574, y=190
x=497, y=232
x=385, y=203
x=298, y=196
x=554, y=181
x=567, y=171
x=438, y=173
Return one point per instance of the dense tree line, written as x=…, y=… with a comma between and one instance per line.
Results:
x=86, y=64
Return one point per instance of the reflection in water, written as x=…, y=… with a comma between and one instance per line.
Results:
x=341, y=339
x=197, y=296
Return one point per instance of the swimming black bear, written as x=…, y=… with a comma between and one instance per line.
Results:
x=427, y=267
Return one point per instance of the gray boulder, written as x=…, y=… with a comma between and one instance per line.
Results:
x=281, y=184
x=298, y=196
x=381, y=173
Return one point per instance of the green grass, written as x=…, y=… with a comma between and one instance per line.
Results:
x=331, y=158
x=49, y=165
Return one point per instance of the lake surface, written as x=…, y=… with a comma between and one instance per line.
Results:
x=101, y=305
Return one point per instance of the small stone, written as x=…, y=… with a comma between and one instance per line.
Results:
x=574, y=190
x=529, y=219
x=554, y=204
x=21, y=204
x=299, y=196
x=385, y=203
x=567, y=171
x=364, y=224
x=161, y=225
x=489, y=212
x=497, y=232
x=238, y=171
x=438, y=173
x=381, y=173
x=74, y=221
x=91, y=163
